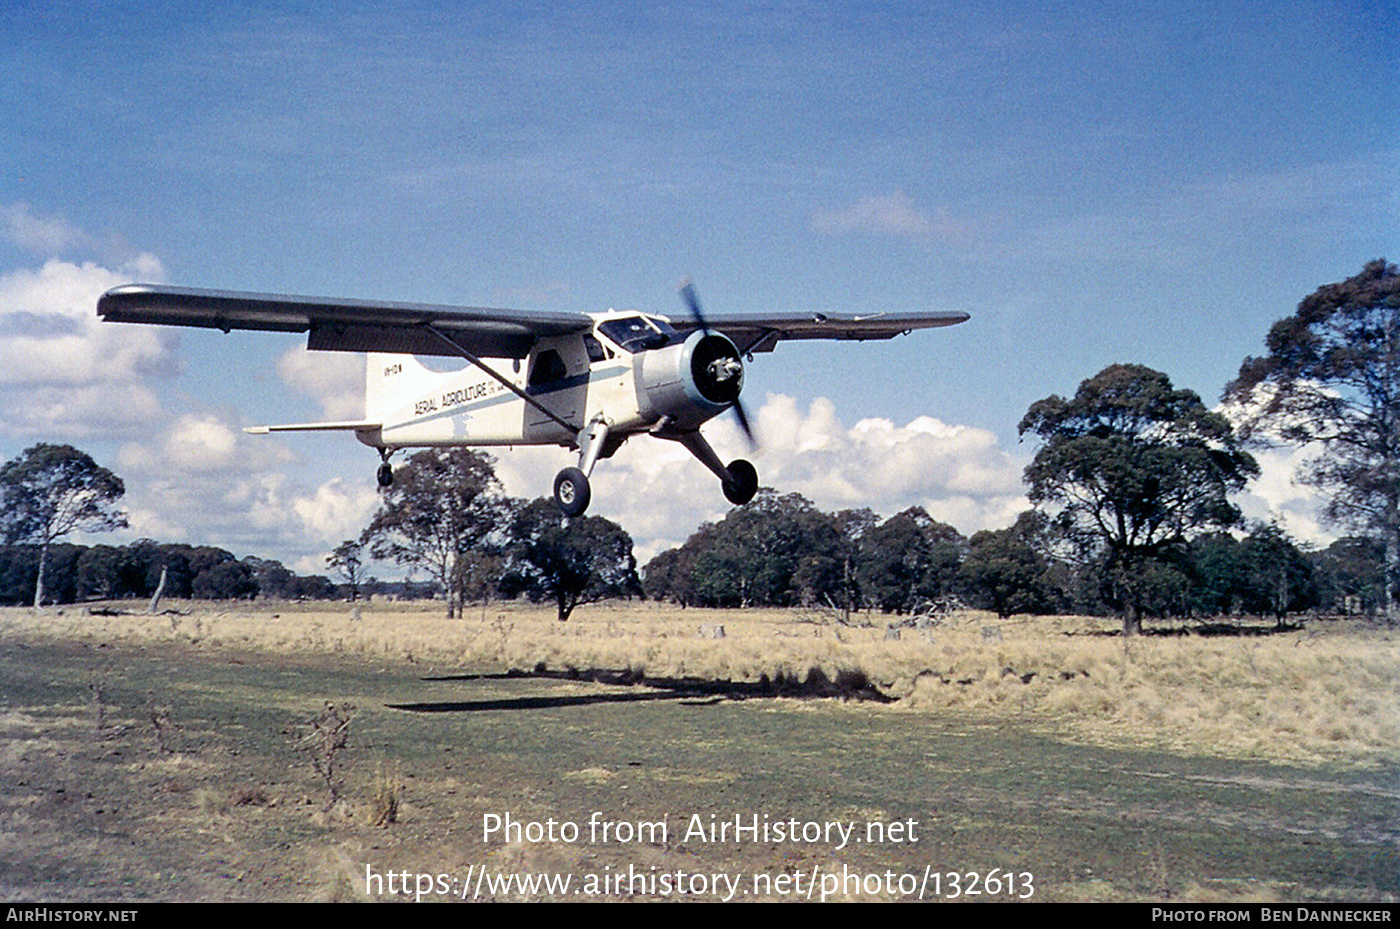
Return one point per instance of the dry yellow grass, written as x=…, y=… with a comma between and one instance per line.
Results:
x=1327, y=695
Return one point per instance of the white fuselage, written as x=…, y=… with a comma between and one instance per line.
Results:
x=581, y=378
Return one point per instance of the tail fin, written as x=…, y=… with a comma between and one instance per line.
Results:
x=392, y=380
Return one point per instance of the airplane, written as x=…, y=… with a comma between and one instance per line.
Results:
x=585, y=381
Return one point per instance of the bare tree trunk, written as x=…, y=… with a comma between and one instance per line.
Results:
x=846, y=580
x=39, y=582
x=160, y=589
x=1392, y=564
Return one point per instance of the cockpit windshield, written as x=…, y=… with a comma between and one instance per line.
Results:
x=637, y=333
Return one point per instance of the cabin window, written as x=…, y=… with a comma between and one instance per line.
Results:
x=549, y=367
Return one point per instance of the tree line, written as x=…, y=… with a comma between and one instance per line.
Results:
x=781, y=551
x=1131, y=487
x=778, y=550
x=76, y=573
x=444, y=517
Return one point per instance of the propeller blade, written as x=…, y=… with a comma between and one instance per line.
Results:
x=692, y=302
x=743, y=418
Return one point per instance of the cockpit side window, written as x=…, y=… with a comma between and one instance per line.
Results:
x=596, y=352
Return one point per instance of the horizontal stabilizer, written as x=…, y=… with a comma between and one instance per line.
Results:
x=344, y=426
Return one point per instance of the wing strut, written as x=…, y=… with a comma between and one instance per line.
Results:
x=503, y=381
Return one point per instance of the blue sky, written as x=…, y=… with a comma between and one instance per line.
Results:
x=1151, y=183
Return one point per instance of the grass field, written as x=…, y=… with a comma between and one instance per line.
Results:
x=176, y=757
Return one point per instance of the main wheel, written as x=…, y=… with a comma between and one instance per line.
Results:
x=744, y=484
x=385, y=475
x=571, y=491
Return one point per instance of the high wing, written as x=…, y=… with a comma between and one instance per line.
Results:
x=344, y=325
x=759, y=332
x=418, y=328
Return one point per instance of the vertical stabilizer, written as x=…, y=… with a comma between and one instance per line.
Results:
x=392, y=381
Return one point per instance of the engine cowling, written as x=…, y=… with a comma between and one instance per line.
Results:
x=691, y=381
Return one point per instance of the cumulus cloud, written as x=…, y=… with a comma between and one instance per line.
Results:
x=77, y=413
x=958, y=473
x=63, y=372
x=335, y=379
x=336, y=511
x=1278, y=496
x=661, y=494
x=203, y=443
x=203, y=480
x=195, y=477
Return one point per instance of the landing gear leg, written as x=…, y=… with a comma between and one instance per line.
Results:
x=571, y=490
x=739, y=480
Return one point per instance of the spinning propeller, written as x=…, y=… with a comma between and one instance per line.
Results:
x=721, y=369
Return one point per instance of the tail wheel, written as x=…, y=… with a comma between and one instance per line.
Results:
x=571, y=491
x=743, y=483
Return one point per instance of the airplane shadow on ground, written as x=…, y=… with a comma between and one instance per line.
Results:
x=691, y=691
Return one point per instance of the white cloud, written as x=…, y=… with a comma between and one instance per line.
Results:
x=201, y=445
x=336, y=379
x=196, y=477
x=893, y=214
x=1278, y=496
x=661, y=494
x=41, y=235
x=204, y=481
x=958, y=473
x=335, y=512
x=63, y=372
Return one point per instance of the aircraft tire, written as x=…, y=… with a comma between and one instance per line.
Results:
x=385, y=475
x=571, y=491
x=745, y=484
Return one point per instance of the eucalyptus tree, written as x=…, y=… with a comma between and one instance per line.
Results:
x=1007, y=570
x=569, y=560
x=347, y=561
x=443, y=505
x=51, y=491
x=1134, y=467
x=1331, y=378
x=907, y=559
